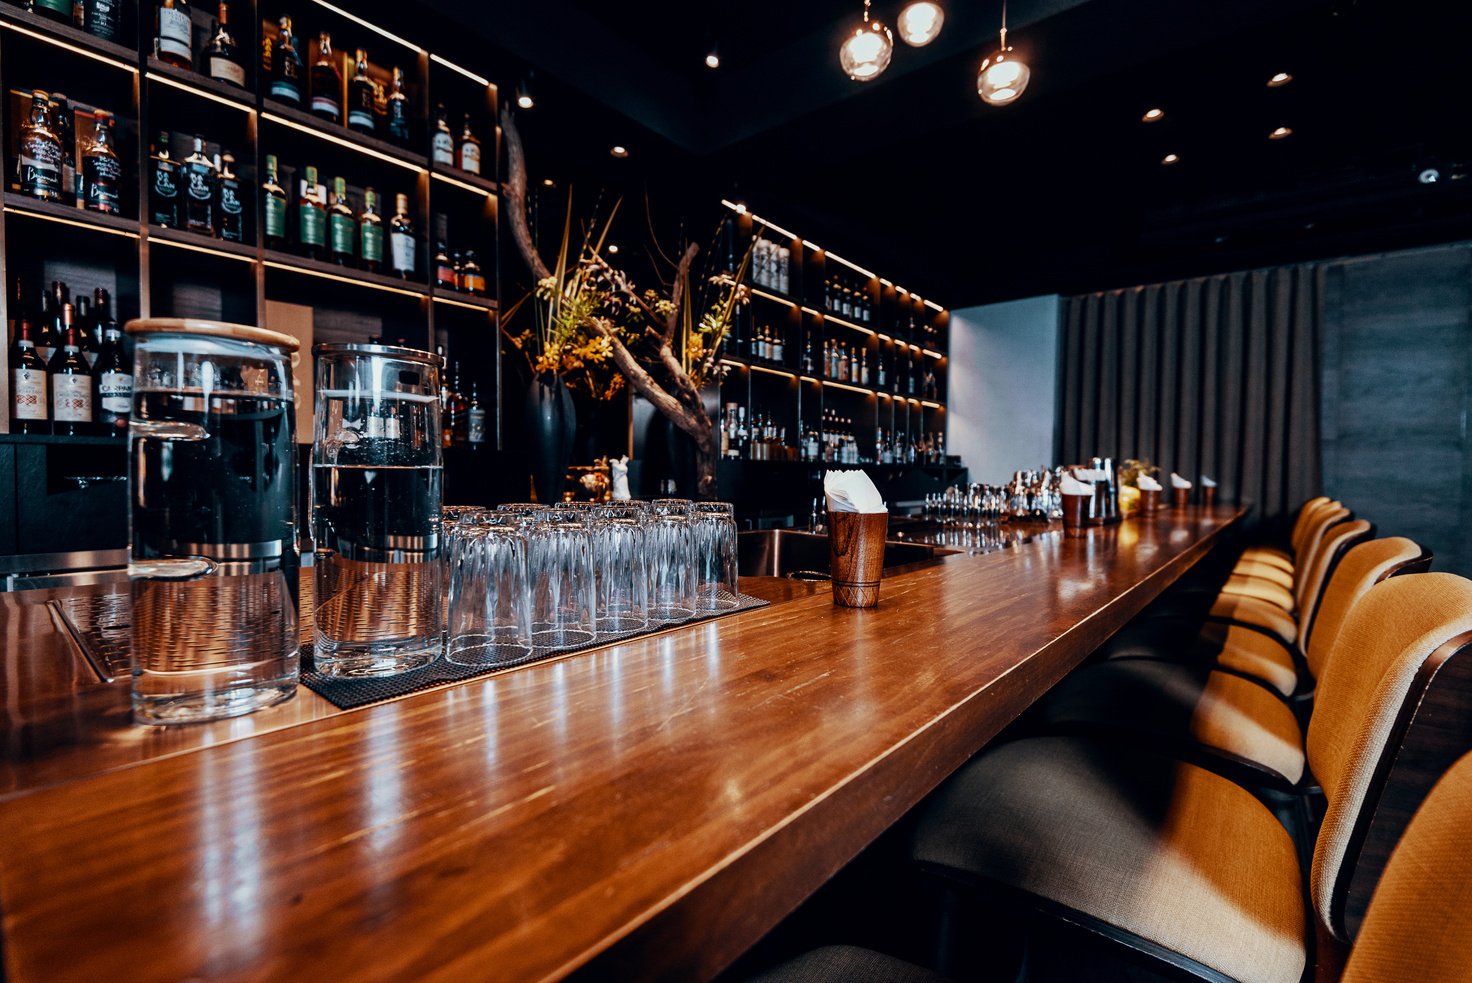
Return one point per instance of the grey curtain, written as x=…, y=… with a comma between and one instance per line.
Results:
x=1218, y=375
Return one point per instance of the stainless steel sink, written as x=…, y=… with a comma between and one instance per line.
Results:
x=804, y=555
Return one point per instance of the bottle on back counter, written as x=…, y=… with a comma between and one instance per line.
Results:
x=398, y=109
x=442, y=142
x=174, y=38
x=476, y=417
x=311, y=212
x=286, y=66
x=326, y=82
x=468, y=152
x=65, y=123
x=199, y=191
x=342, y=225
x=71, y=383
x=40, y=160
x=370, y=232
x=361, y=97
x=401, y=238
x=101, y=169
x=222, y=59
x=30, y=404
x=229, y=208
x=275, y=205
x=163, y=189
x=114, y=376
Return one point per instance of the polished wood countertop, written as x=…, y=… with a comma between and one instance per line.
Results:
x=645, y=810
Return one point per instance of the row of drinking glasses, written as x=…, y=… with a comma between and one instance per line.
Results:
x=527, y=576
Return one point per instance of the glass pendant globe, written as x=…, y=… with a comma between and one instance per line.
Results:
x=866, y=53
x=1002, y=79
x=920, y=23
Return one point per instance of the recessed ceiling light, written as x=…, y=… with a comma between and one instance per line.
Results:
x=619, y=150
x=613, y=248
x=1282, y=78
x=1170, y=159
x=1153, y=115
x=1280, y=133
x=548, y=182
x=713, y=60
x=524, y=93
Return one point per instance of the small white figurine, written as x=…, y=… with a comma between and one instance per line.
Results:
x=620, y=468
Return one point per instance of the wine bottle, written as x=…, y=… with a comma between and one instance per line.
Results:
x=361, y=97
x=223, y=55
x=199, y=191
x=326, y=82
x=342, y=225
x=286, y=66
x=229, y=206
x=275, y=206
x=370, y=232
x=401, y=238
x=71, y=383
x=398, y=109
x=311, y=214
x=174, y=37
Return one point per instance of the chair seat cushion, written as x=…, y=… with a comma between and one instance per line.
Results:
x=1262, y=590
x=846, y=964
x=1264, y=571
x=1166, y=851
x=1269, y=554
x=1259, y=614
x=1191, y=707
x=1253, y=653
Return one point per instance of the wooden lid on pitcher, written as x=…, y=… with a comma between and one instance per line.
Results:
x=213, y=329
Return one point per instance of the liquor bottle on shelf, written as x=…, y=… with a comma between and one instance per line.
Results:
x=326, y=82
x=342, y=225
x=361, y=97
x=311, y=212
x=71, y=383
x=286, y=66
x=229, y=207
x=370, y=232
x=442, y=141
x=104, y=19
x=163, y=185
x=48, y=316
x=444, y=271
x=880, y=381
x=40, y=159
x=174, y=37
x=398, y=109
x=199, y=191
x=114, y=377
x=472, y=279
x=401, y=238
x=64, y=124
x=30, y=405
x=82, y=319
x=222, y=58
x=58, y=10
x=456, y=427
x=476, y=417
x=275, y=205
x=458, y=266
x=101, y=169
x=467, y=154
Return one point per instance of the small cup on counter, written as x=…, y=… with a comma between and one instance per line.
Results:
x=856, y=556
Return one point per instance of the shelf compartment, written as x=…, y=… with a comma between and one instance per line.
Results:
x=472, y=301
x=210, y=245
x=286, y=262
x=19, y=204
x=840, y=322
x=69, y=38
x=466, y=181
x=201, y=86
x=774, y=296
x=289, y=116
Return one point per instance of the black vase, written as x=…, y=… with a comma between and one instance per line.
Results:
x=551, y=421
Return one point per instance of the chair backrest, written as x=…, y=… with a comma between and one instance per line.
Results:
x=1419, y=925
x=1305, y=519
x=1313, y=538
x=1389, y=636
x=1362, y=567
x=1310, y=587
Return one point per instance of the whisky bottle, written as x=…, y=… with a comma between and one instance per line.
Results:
x=39, y=163
x=472, y=278
x=114, y=384
x=458, y=428
x=442, y=142
x=104, y=19
x=311, y=215
x=444, y=270
x=342, y=225
x=174, y=37
x=361, y=97
x=71, y=383
x=275, y=206
x=223, y=55
x=370, y=232
x=50, y=339
x=101, y=169
x=199, y=191
x=163, y=188
x=401, y=238
x=82, y=319
x=29, y=403
x=468, y=152
x=476, y=418
x=62, y=121
x=286, y=66
x=326, y=82
x=398, y=109
x=229, y=208
x=458, y=266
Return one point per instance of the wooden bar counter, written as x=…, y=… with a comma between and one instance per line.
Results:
x=645, y=810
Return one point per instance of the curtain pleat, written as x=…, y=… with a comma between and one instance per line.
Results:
x=1215, y=375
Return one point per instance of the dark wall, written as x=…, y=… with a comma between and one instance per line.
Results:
x=1397, y=357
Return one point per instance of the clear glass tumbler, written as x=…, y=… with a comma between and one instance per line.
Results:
x=713, y=527
x=621, y=568
x=376, y=476
x=212, y=521
x=560, y=572
x=671, y=560
x=490, y=607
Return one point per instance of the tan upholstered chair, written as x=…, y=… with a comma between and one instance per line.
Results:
x=1255, y=586
x=1179, y=863
x=1283, y=558
x=1227, y=717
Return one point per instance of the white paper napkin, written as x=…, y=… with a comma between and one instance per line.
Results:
x=1207, y=482
x=1146, y=483
x=851, y=491
x=1176, y=481
x=1072, y=486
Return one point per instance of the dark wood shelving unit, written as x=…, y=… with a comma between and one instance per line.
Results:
x=24, y=206
x=202, y=243
x=340, y=135
x=200, y=85
x=346, y=275
x=19, y=18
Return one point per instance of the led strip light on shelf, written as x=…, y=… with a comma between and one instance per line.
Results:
x=176, y=244
x=305, y=271
x=321, y=135
x=483, y=192
x=68, y=46
x=372, y=27
x=203, y=93
x=852, y=389
x=459, y=303
x=91, y=226
x=456, y=68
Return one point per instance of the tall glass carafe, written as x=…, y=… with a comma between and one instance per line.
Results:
x=376, y=478
x=212, y=520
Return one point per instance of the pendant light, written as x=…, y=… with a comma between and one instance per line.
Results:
x=1002, y=77
x=920, y=22
x=866, y=53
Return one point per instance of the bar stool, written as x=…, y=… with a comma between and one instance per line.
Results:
x=1185, y=867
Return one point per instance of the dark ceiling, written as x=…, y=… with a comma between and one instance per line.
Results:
x=914, y=176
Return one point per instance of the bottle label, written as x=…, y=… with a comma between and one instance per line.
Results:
x=474, y=283
x=116, y=392
x=40, y=174
x=477, y=425
x=100, y=179
x=342, y=234
x=372, y=234
x=403, y=250
x=470, y=157
x=275, y=217
x=28, y=394
x=313, y=226
x=286, y=87
x=444, y=148
x=398, y=122
x=175, y=33
x=230, y=198
x=163, y=182
x=326, y=105
x=103, y=18
x=363, y=118
x=199, y=183
x=71, y=398
x=227, y=71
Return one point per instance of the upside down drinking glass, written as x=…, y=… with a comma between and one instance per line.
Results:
x=621, y=568
x=713, y=529
x=490, y=609
x=671, y=560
